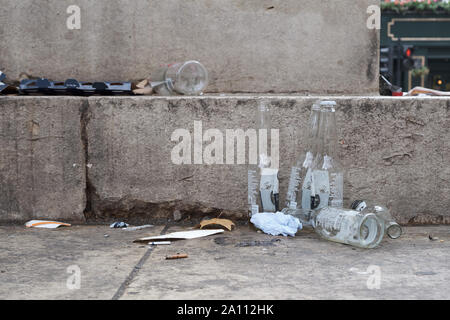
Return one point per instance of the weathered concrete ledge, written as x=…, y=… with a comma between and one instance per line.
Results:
x=302, y=46
x=396, y=151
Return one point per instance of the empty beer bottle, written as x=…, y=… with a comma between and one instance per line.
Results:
x=268, y=175
x=327, y=173
x=392, y=228
x=360, y=229
x=263, y=175
x=186, y=78
x=300, y=178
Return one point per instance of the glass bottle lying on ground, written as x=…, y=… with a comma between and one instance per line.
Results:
x=363, y=230
x=185, y=78
x=392, y=228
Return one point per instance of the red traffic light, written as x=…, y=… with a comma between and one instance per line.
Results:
x=408, y=53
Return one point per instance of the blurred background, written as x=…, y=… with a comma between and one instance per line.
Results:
x=415, y=43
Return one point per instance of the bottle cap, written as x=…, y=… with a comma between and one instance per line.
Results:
x=355, y=204
x=328, y=106
x=315, y=106
x=328, y=103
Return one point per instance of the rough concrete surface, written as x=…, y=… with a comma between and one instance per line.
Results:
x=247, y=46
x=395, y=151
x=42, y=160
x=37, y=263
x=241, y=264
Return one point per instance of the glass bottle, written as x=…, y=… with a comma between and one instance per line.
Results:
x=261, y=175
x=253, y=182
x=301, y=171
x=328, y=173
x=185, y=78
x=268, y=176
x=392, y=228
x=359, y=229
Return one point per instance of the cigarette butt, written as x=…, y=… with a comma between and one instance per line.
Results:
x=177, y=256
x=155, y=243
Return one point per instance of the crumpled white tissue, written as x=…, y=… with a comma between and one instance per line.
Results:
x=276, y=223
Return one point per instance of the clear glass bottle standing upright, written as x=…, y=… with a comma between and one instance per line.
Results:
x=392, y=228
x=263, y=175
x=299, y=190
x=328, y=173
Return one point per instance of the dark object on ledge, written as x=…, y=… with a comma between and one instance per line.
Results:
x=388, y=89
x=5, y=88
x=2, y=85
x=73, y=87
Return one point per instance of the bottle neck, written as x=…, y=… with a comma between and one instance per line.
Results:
x=263, y=122
x=327, y=138
x=263, y=117
x=311, y=133
x=313, y=129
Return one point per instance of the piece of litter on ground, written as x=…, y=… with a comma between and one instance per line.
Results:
x=177, y=256
x=182, y=235
x=156, y=243
x=46, y=224
x=425, y=273
x=138, y=227
x=106, y=235
x=119, y=225
x=433, y=238
x=276, y=223
x=223, y=241
x=211, y=223
x=257, y=243
x=143, y=87
x=177, y=215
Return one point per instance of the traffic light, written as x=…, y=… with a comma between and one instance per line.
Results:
x=407, y=59
x=438, y=82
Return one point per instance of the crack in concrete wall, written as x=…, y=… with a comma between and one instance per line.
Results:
x=84, y=120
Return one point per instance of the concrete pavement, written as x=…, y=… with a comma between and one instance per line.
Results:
x=243, y=264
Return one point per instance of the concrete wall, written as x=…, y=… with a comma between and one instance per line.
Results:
x=396, y=151
x=248, y=46
x=42, y=160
